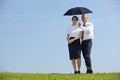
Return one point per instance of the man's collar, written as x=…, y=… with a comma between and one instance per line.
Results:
x=86, y=22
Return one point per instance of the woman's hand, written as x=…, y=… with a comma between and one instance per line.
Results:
x=70, y=41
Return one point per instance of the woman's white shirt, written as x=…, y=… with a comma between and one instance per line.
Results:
x=74, y=31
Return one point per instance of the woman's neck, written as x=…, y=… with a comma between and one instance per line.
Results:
x=74, y=24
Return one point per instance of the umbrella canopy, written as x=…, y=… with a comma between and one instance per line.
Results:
x=77, y=11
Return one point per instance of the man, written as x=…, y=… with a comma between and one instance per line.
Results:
x=88, y=35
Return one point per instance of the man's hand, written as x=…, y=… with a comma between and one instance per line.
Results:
x=79, y=24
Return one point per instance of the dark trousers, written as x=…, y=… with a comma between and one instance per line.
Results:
x=86, y=50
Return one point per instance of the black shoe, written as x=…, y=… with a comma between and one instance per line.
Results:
x=89, y=71
x=75, y=72
x=78, y=72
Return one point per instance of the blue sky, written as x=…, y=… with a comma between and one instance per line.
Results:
x=33, y=35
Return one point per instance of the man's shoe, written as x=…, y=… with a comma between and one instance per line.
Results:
x=78, y=72
x=89, y=71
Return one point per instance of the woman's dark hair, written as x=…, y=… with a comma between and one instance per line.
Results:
x=75, y=17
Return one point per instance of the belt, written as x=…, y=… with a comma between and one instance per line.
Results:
x=87, y=40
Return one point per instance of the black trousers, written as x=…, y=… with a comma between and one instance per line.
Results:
x=86, y=50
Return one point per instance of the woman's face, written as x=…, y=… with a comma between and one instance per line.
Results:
x=74, y=20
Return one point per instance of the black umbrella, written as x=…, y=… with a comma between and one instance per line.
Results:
x=77, y=11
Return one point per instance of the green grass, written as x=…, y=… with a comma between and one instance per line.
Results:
x=30, y=76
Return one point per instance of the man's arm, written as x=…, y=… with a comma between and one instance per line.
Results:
x=88, y=29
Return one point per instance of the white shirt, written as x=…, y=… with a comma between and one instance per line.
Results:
x=88, y=31
x=74, y=31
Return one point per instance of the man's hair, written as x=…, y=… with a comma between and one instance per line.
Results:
x=84, y=15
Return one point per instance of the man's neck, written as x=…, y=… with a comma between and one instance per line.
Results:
x=84, y=23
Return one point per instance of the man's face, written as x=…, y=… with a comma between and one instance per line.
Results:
x=84, y=18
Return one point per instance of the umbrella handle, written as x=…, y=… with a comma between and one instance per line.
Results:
x=78, y=19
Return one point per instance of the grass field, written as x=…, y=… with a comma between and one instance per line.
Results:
x=37, y=76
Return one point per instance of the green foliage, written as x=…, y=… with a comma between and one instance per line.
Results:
x=36, y=76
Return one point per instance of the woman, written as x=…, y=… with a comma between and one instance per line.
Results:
x=73, y=37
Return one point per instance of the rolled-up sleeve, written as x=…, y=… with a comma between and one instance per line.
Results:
x=68, y=31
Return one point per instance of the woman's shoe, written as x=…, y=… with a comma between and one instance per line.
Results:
x=75, y=72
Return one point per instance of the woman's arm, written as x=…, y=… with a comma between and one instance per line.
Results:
x=68, y=36
x=68, y=39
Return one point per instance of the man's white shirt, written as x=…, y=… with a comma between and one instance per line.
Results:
x=88, y=31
